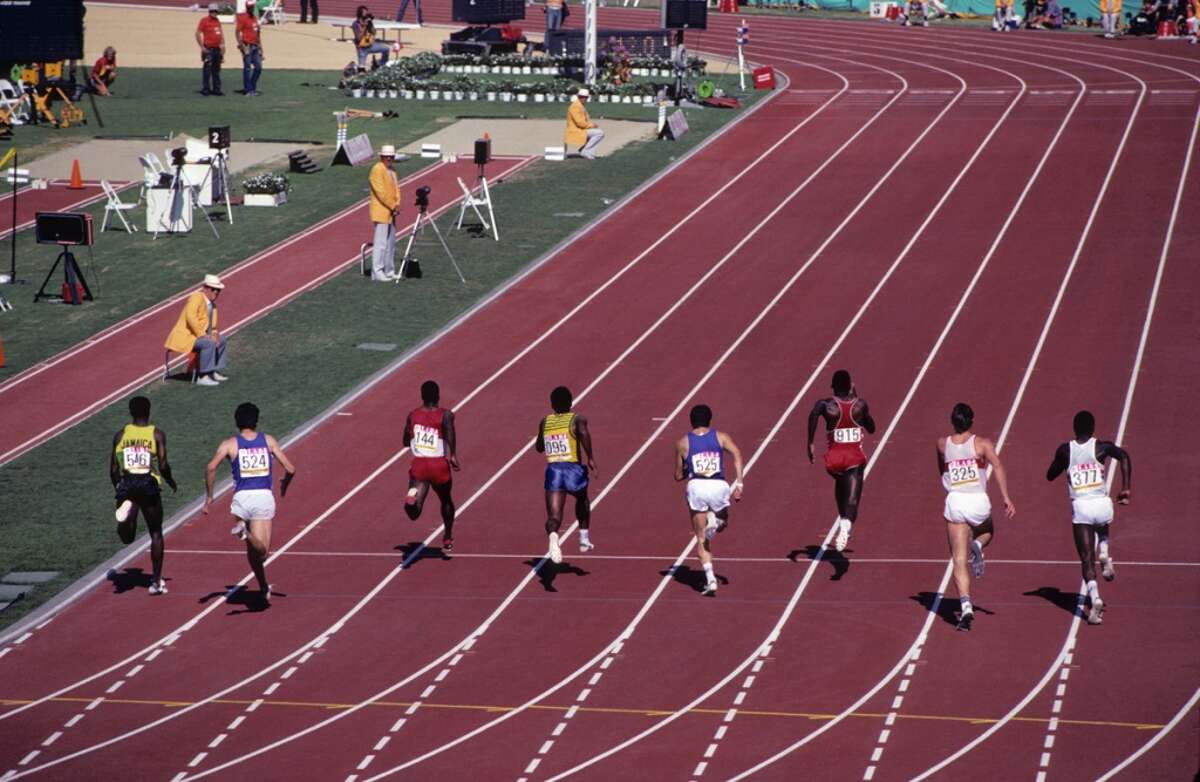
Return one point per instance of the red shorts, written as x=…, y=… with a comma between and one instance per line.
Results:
x=840, y=459
x=435, y=471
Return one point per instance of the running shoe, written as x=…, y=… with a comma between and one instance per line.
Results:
x=159, y=587
x=712, y=527
x=1096, y=615
x=1106, y=568
x=975, y=559
x=710, y=589
x=219, y=377
x=124, y=510
x=447, y=544
x=411, y=497
x=585, y=546
x=239, y=531
x=843, y=536
x=555, y=549
x=965, y=621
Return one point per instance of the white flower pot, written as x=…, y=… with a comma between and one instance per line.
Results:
x=408, y=94
x=602, y=98
x=473, y=95
x=539, y=97
x=264, y=199
x=420, y=94
x=491, y=96
x=527, y=70
x=393, y=93
x=458, y=95
x=369, y=93
x=435, y=94
x=627, y=99
x=648, y=100
x=522, y=97
x=356, y=92
x=506, y=97
x=505, y=69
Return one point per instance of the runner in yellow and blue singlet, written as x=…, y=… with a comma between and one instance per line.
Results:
x=560, y=437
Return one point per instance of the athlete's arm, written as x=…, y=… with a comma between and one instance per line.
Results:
x=1106, y=448
x=817, y=413
x=288, y=467
x=680, y=458
x=210, y=471
x=941, y=455
x=114, y=471
x=164, y=469
x=864, y=417
x=451, y=438
x=1062, y=460
x=988, y=451
x=585, y=440
x=539, y=444
x=407, y=438
x=728, y=444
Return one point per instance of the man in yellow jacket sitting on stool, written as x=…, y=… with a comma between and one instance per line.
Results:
x=581, y=131
x=385, y=203
x=196, y=330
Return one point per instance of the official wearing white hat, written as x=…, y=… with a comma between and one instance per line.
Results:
x=581, y=131
x=196, y=331
x=385, y=202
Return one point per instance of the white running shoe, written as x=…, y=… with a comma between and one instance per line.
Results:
x=159, y=587
x=843, y=536
x=555, y=549
x=206, y=381
x=239, y=531
x=710, y=589
x=1096, y=615
x=975, y=559
x=965, y=621
x=1106, y=568
x=124, y=510
x=219, y=377
x=585, y=546
x=713, y=525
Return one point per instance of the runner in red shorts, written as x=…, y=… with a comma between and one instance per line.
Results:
x=846, y=416
x=429, y=432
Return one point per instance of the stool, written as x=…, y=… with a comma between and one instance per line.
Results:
x=193, y=366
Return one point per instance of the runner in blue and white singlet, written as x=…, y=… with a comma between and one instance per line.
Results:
x=1082, y=459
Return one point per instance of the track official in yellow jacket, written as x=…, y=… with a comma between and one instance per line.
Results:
x=385, y=203
x=581, y=131
x=196, y=330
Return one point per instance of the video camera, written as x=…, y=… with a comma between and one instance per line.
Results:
x=178, y=156
x=422, y=201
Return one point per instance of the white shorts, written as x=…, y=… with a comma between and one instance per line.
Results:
x=704, y=494
x=253, y=504
x=963, y=507
x=1096, y=511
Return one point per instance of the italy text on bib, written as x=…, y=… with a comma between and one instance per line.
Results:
x=963, y=472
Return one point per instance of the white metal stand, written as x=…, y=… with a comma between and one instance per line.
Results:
x=589, y=43
x=743, y=38
x=473, y=202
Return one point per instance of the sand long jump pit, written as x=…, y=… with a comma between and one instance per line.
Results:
x=528, y=137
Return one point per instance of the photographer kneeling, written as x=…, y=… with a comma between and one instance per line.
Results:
x=364, y=38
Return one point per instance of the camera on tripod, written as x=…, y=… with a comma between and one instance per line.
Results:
x=179, y=157
x=422, y=201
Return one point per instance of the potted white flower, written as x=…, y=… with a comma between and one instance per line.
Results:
x=265, y=190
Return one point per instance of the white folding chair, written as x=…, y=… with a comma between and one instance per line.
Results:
x=115, y=205
x=274, y=12
x=13, y=100
x=149, y=178
x=155, y=163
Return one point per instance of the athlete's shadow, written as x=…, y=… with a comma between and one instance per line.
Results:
x=836, y=559
x=694, y=579
x=550, y=571
x=1067, y=601
x=246, y=601
x=947, y=610
x=130, y=578
x=426, y=552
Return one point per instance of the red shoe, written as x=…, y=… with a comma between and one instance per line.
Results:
x=447, y=544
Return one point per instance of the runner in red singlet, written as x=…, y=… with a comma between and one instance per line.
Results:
x=846, y=416
x=429, y=432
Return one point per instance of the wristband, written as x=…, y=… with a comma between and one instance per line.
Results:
x=737, y=485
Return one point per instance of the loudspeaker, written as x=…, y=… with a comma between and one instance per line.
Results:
x=64, y=228
x=218, y=137
x=483, y=151
x=680, y=14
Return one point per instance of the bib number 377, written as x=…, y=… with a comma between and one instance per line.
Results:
x=1086, y=476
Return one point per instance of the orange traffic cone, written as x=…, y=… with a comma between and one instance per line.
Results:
x=76, y=177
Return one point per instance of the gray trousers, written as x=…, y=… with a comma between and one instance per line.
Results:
x=594, y=137
x=212, y=353
x=383, y=251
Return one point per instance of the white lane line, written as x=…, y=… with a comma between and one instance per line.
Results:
x=1159, y=736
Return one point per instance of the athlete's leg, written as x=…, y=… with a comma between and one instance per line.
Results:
x=1085, y=544
x=583, y=509
x=854, y=486
x=1106, y=563
x=443, y=493
x=704, y=552
x=258, y=546
x=127, y=530
x=415, y=499
x=554, y=510
x=984, y=533
x=152, y=510
x=958, y=535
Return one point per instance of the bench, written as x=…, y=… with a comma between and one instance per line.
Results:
x=381, y=29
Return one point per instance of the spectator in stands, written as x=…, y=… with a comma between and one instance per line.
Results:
x=1143, y=21
x=1174, y=13
x=554, y=14
x=304, y=11
x=104, y=72
x=404, y=7
x=581, y=130
x=196, y=330
x=364, y=38
x=211, y=40
x=385, y=203
x=249, y=41
x=1047, y=15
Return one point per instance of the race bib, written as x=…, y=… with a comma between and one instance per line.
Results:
x=706, y=464
x=136, y=459
x=254, y=462
x=851, y=434
x=558, y=447
x=426, y=441
x=963, y=472
x=1086, y=476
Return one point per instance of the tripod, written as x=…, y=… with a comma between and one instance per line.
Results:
x=175, y=212
x=218, y=172
x=73, y=276
x=408, y=264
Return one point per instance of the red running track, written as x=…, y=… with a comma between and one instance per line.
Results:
x=820, y=265
x=56, y=198
x=49, y=398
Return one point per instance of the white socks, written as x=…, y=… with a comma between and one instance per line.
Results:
x=584, y=538
x=965, y=603
x=709, y=576
x=1093, y=591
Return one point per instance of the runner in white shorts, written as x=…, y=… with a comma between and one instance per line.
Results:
x=1082, y=459
x=963, y=460
x=252, y=455
x=700, y=460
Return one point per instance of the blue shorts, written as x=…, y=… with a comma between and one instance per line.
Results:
x=570, y=477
